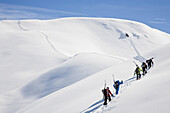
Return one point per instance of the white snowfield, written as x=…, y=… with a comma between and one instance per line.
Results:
x=61, y=65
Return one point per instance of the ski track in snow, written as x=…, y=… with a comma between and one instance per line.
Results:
x=139, y=57
x=115, y=57
x=45, y=35
x=133, y=46
x=47, y=39
x=19, y=24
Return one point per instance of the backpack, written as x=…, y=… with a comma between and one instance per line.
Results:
x=143, y=65
x=137, y=70
x=116, y=84
x=104, y=92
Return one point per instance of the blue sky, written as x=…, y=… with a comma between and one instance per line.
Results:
x=155, y=13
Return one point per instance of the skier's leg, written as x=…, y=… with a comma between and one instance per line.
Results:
x=143, y=70
x=149, y=65
x=137, y=76
x=105, y=101
x=146, y=70
x=117, y=91
x=109, y=98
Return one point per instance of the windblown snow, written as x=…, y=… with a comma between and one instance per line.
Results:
x=61, y=65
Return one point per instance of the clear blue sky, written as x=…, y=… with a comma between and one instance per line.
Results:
x=155, y=13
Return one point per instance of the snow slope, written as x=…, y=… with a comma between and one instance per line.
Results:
x=24, y=54
x=150, y=95
x=59, y=66
x=73, y=70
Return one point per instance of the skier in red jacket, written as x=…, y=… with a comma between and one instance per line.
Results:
x=107, y=93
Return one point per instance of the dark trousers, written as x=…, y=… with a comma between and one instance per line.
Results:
x=105, y=101
x=138, y=76
x=144, y=70
x=149, y=65
x=117, y=90
x=107, y=98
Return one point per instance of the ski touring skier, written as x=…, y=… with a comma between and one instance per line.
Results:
x=126, y=35
x=137, y=72
x=116, y=85
x=144, y=68
x=106, y=95
x=150, y=63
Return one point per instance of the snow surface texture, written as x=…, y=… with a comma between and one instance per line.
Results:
x=59, y=66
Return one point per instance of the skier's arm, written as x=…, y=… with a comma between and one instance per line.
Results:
x=140, y=69
x=152, y=62
x=114, y=85
x=121, y=82
x=110, y=92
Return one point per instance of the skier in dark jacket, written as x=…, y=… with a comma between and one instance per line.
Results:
x=144, y=68
x=107, y=93
x=126, y=35
x=116, y=85
x=137, y=72
x=150, y=63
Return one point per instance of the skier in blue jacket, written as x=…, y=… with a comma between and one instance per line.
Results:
x=116, y=85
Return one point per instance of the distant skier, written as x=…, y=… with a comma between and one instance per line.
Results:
x=150, y=63
x=144, y=68
x=107, y=93
x=137, y=72
x=116, y=85
x=127, y=35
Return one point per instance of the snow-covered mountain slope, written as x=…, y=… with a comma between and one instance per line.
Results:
x=24, y=55
x=150, y=94
x=49, y=61
x=71, y=71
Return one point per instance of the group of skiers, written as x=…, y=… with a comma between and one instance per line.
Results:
x=145, y=66
x=107, y=93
